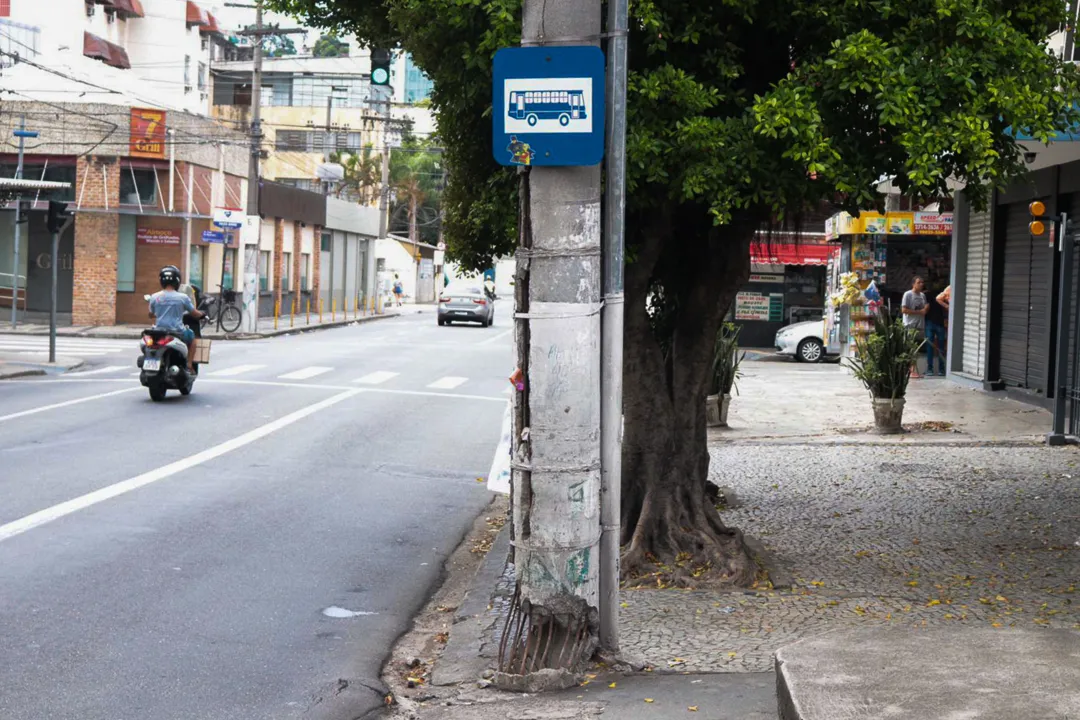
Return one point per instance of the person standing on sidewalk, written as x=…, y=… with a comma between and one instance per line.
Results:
x=914, y=307
x=936, y=319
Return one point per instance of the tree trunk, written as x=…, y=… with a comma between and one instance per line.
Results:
x=414, y=231
x=668, y=514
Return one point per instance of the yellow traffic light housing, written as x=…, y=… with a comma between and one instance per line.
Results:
x=1037, y=208
x=1036, y=227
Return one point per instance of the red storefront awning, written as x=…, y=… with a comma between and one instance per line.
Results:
x=196, y=15
x=109, y=53
x=211, y=26
x=767, y=253
x=129, y=8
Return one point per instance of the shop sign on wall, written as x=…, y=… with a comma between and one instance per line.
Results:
x=766, y=278
x=894, y=223
x=759, y=306
x=157, y=236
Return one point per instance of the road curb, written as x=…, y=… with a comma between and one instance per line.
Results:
x=462, y=659
x=21, y=373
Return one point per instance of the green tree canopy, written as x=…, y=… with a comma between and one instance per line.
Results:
x=330, y=45
x=741, y=113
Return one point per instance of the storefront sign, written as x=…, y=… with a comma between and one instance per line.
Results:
x=894, y=223
x=229, y=217
x=933, y=223
x=157, y=236
x=754, y=277
x=212, y=236
x=758, y=306
x=147, y=133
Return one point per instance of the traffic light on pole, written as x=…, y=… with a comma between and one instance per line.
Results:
x=380, y=67
x=58, y=214
x=1039, y=220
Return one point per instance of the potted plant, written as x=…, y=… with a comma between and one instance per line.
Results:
x=883, y=360
x=725, y=373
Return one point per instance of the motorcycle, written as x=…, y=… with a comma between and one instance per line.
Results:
x=163, y=364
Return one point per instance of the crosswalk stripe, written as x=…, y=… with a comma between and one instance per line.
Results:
x=238, y=370
x=45, y=345
x=305, y=373
x=447, y=383
x=62, y=351
x=376, y=378
x=107, y=369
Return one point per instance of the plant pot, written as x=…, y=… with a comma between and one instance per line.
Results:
x=888, y=414
x=716, y=410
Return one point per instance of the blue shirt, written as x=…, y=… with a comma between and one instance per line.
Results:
x=169, y=306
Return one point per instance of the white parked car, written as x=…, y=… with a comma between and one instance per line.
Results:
x=805, y=341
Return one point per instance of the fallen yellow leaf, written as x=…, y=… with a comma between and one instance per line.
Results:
x=731, y=654
x=1002, y=598
x=692, y=708
x=648, y=700
x=996, y=624
x=817, y=583
x=612, y=686
x=913, y=583
x=932, y=603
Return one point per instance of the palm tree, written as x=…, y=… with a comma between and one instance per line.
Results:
x=415, y=173
x=363, y=173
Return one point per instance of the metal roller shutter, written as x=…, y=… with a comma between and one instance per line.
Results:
x=975, y=295
x=1040, y=303
x=1015, y=297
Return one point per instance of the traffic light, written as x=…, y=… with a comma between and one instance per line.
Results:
x=1037, y=226
x=380, y=67
x=58, y=214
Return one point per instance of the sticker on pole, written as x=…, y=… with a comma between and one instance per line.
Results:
x=548, y=106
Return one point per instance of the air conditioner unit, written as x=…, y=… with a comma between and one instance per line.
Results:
x=110, y=17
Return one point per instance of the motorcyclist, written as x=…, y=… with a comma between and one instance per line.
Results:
x=170, y=306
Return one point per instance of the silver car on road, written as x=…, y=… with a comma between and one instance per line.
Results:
x=466, y=303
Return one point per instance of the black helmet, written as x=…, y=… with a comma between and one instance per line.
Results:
x=169, y=276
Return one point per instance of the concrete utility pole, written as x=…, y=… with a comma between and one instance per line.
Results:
x=553, y=621
x=611, y=382
x=22, y=133
x=384, y=194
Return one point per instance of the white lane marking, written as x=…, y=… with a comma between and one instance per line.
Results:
x=305, y=373
x=495, y=338
x=106, y=369
x=16, y=344
x=63, y=351
x=29, y=522
x=294, y=386
x=447, y=383
x=238, y=370
x=43, y=408
x=376, y=378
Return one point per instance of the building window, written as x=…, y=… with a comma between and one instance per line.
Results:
x=305, y=270
x=138, y=186
x=187, y=72
x=264, y=270
x=285, y=271
x=227, y=265
x=202, y=76
x=125, y=255
x=195, y=267
x=327, y=239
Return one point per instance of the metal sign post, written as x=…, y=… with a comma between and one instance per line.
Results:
x=1066, y=240
x=52, y=286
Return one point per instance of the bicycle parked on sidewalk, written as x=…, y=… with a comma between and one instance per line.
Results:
x=221, y=310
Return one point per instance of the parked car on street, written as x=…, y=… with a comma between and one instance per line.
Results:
x=466, y=303
x=805, y=341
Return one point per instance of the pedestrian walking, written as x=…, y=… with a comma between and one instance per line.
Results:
x=398, y=290
x=914, y=308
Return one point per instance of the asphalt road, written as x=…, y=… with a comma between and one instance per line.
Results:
x=191, y=559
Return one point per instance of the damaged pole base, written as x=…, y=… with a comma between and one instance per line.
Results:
x=620, y=661
x=551, y=641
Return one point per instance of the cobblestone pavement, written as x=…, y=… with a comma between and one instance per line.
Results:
x=921, y=536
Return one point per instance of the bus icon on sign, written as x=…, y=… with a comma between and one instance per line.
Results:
x=534, y=106
x=548, y=105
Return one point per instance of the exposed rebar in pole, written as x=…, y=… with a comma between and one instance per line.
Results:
x=556, y=464
x=611, y=374
x=384, y=192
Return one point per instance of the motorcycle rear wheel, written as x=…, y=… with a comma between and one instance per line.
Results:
x=157, y=389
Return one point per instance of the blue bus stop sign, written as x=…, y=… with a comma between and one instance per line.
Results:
x=548, y=106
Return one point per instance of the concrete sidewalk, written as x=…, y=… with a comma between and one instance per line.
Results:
x=267, y=327
x=786, y=402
